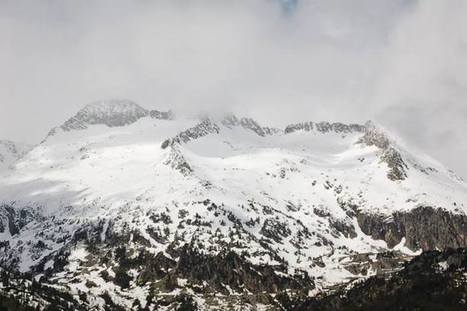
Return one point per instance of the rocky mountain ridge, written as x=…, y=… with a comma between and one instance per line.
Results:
x=112, y=113
x=138, y=209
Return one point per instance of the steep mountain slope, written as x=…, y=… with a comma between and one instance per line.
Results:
x=146, y=209
x=432, y=281
x=10, y=152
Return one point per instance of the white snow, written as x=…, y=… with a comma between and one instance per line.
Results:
x=10, y=152
x=443, y=265
x=121, y=173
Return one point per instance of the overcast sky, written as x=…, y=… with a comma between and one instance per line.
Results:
x=402, y=63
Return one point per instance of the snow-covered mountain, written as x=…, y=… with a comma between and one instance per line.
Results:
x=10, y=152
x=135, y=208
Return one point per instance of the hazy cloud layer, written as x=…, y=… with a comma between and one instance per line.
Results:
x=400, y=62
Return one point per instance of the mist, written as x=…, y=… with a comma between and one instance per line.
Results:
x=398, y=62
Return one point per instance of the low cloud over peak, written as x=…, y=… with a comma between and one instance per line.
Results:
x=398, y=62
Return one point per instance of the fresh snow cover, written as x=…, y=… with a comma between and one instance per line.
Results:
x=108, y=164
x=10, y=152
x=111, y=113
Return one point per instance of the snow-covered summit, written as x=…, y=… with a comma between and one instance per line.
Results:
x=364, y=156
x=125, y=182
x=111, y=113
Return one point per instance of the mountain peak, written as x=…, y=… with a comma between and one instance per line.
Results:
x=376, y=136
x=111, y=113
x=113, y=105
x=139, y=211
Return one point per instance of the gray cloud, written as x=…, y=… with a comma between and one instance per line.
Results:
x=421, y=91
x=397, y=61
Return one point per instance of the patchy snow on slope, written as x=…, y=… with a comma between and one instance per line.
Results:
x=119, y=169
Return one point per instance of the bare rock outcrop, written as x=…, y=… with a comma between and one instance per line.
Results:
x=423, y=228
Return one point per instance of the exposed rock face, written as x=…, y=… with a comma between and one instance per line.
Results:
x=275, y=230
x=234, y=270
x=249, y=124
x=204, y=128
x=305, y=126
x=14, y=219
x=208, y=127
x=177, y=161
x=126, y=264
x=271, y=130
x=398, y=168
x=111, y=113
x=382, y=263
x=233, y=218
x=161, y=115
x=214, y=277
x=423, y=228
x=325, y=127
x=374, y=137
x=431, y=281
x=22, y=293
